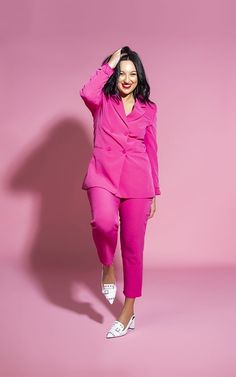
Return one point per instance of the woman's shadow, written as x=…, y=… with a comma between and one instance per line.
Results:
x=62, y=256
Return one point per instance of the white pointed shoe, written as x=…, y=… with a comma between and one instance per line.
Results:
x=117, y=328
x=109, y=290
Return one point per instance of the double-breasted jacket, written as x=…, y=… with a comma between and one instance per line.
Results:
x=124, y=158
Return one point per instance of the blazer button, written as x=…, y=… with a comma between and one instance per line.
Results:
x=124, y=151
x=109, y=148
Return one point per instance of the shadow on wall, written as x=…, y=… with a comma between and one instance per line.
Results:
x=62, y=253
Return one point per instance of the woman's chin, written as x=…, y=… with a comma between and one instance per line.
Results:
x=124, y=93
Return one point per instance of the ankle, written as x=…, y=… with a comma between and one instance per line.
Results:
x=128, y=309
x=108, y=274
x=108, y=268
x=126, y=314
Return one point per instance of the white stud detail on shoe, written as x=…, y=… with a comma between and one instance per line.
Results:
x=109, y=290
x=117, y=329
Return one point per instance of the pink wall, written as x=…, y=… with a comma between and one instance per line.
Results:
x=48, y=50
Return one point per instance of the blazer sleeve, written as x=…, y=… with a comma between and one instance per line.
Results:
x=150, y=140
x=91, y=92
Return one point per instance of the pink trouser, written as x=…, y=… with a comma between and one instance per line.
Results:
x=131, y=214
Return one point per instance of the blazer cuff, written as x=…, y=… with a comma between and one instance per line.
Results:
x=107, y=69
x=157, y=191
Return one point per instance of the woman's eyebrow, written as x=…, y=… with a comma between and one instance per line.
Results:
x=130, y=71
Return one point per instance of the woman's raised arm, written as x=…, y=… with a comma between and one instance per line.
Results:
x=91, y=92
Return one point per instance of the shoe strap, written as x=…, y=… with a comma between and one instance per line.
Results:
x=116, y=328
x=109, y=285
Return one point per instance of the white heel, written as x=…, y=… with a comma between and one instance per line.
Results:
x=109, y=290
x=117, y=329
x=132, y=324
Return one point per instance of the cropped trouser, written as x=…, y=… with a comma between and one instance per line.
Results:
x=110, y=212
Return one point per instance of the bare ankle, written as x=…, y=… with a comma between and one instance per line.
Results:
x=108, y=268
x=108, y=274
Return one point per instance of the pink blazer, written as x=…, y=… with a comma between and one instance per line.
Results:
x=124, y=159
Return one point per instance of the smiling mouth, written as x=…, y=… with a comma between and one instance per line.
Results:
x=126, y=86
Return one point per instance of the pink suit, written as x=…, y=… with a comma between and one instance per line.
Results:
x=124, y=159
x=122, y=176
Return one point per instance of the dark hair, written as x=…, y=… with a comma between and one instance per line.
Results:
x=142, y=90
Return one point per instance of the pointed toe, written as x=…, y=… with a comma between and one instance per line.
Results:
x=109, y=335
x=117, y=329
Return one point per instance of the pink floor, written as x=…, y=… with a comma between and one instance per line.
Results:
x=53, y=323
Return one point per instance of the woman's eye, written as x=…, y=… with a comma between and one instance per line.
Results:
x=132, y=74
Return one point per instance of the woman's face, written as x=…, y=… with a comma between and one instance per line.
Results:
x=128, y=79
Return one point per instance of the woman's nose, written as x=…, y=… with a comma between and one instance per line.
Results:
x=127, y=80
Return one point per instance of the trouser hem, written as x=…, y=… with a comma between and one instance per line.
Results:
x=132, y=295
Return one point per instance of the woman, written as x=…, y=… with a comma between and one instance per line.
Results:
x=122, y=177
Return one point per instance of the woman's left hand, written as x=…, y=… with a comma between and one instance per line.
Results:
x=153, y=208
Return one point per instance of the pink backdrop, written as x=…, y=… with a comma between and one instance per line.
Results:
x=54, y=320
x=48, y=50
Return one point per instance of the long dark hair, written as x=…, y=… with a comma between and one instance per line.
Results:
x=142, y=90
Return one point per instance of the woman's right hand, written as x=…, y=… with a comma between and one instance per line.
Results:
x=114, y=59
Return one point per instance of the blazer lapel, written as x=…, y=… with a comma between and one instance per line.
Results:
x=138, y=110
